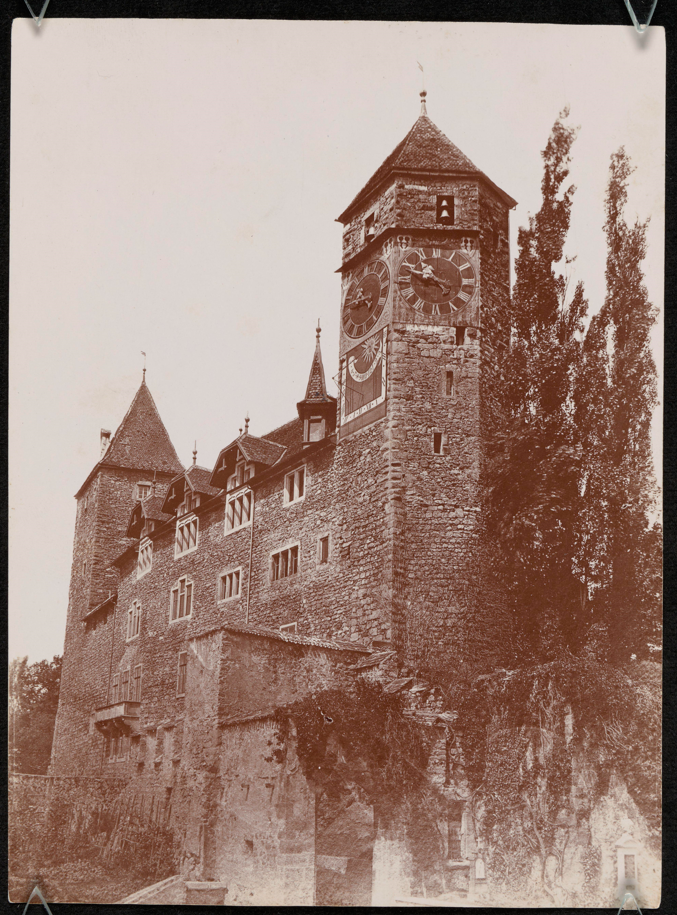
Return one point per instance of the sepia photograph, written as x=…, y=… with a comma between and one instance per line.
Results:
x=336, y=381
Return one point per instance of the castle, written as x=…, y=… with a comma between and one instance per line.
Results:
x=203, y=598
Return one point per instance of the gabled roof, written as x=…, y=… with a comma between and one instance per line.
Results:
x=196, y=479
x=141, y=441
x=424, y=149
x=260, y=451
x=149, y=509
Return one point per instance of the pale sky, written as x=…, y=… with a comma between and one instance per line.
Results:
x=174, y=189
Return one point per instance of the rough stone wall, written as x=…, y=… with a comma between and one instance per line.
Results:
x=349, y=596
x=440, y=490
x=412, y=203
x=103, y=513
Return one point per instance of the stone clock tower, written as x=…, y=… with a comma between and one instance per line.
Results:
x=425, y=287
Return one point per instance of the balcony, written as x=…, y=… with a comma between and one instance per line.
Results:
x=118, y=717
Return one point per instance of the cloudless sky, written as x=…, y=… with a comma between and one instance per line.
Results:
x=174, y=189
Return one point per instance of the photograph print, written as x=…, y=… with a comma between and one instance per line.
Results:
x=346, y=337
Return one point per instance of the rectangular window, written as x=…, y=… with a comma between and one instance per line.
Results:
x=114, y=689
x=369, y=227
x=124, y=689
x=181, y=604
x=324, y=549
x=451, y=390
x=136, y=685
x=181, y=678
x=284, y=563
x=437, y=442
x=315, y=429
x=142, y=491
x=189, y=504
x=186, y=536
x=229, y=585
x=289, y=628
x=460, y=336
x=238, y=510
x=294, y=485
x=134, y=620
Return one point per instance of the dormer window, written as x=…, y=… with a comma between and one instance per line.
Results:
x=315, y=429
x=189, y=504
x=142, y=491
x=446, y=209
x=243, y=472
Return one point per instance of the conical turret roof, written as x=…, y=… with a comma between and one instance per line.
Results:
x=424, y=149
x=141, y=441
x=316, y=391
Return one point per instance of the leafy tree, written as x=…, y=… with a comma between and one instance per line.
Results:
x=534, y=456
x=571, y=486
x=34, y=698
x=632, y=599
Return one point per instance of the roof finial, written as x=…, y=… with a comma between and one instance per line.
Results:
x=246, y=423
x=154, y=483
x=195, y=453
x=423, y=93
x=318, y=329
x=144, y=365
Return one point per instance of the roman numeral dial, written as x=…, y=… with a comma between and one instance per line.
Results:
x=436, y=282
x=365, y=298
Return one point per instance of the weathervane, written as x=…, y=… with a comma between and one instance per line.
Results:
x=423, y=93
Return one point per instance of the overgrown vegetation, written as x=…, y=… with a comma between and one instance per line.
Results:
x=570, y=509
x=357, y=737
x=62, y=831
x=33, y=702
x=355, y=741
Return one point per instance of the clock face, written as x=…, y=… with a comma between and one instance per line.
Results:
x=366, y=298
x=435, y=281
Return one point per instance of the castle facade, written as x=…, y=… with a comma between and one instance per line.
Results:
x=202, y=598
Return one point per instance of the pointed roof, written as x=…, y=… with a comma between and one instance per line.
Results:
x=316, y=392
x=424, y=149
x=195, y=479
x=149, y=509
x=141, y=441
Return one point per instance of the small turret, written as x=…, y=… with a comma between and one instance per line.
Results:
x=317, y=409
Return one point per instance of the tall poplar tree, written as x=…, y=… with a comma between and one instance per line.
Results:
x=572, y=490
x=631, y=600
x=533, y=457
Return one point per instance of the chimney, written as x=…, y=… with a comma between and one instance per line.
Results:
x=105, y=440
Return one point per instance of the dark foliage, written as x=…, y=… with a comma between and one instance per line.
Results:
x=34, y=698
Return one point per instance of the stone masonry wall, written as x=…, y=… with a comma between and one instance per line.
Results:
x=103, y=513
x=412, y=203
x=348, y=597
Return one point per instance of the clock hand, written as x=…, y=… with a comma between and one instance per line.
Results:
x=359, y=300
x=427, y=275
